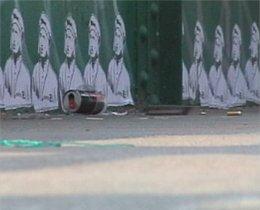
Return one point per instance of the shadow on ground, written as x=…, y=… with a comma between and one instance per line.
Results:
x=53, y=158
x=224, y=201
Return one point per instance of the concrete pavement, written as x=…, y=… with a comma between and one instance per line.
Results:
x=133, y=162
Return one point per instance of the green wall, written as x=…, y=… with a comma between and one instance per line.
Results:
x=154, y=42
x=155, y=77
x=81, y=11
x=57, y=11
x=211, y=14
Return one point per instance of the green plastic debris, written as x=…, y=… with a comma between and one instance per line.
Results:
x=25, y=143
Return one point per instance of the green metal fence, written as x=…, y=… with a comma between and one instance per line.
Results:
x=152, y=39
x=154, y=49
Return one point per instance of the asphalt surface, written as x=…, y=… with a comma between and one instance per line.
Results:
x=81, y=127
x=130, y=162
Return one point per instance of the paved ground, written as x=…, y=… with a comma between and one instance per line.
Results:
x=81, y=127
x=133, y=162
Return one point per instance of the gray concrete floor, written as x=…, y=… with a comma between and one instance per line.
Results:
x=81, y=127
x=133, y=162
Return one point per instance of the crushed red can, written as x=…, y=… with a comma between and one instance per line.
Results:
x=83, y=102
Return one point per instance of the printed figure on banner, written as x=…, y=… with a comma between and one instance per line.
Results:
x=235, y=77
x=218, y=83
x=118, y=77
x=70, y=77
x=94, y=76
x=44, y=79
x=185, y=78
x=17, y=93
x=1, y=89
x=252, y=72
x=199, y=88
